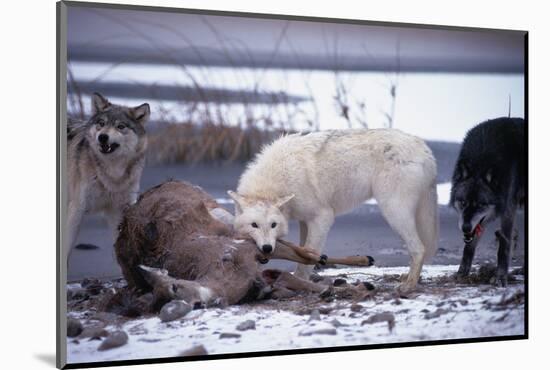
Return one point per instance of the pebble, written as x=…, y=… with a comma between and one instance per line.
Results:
x=94, y=333
x=114, y=340
x=195, y=351
x=174, y=310
x=436, y=313
x=381, y=317
x=318, y=330
x=356, y=307
x=229, y=335
x=339, y=282
x=314, y=316
x=246, y=325
x=74, y=328
x=337, y=323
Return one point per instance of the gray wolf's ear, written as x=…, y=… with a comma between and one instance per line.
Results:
x=99, y=103
x=141, y=113
x=283, y=200
x=239, y=201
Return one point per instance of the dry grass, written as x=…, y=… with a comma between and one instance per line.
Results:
x=191, y=143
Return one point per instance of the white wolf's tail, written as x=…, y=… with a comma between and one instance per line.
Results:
x=427, y=221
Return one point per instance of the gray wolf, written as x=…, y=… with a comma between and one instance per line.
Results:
x=106, y=156
x=315, y=177
x=489, y=183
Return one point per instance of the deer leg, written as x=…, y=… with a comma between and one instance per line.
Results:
x=166, y=288
x=288, y=251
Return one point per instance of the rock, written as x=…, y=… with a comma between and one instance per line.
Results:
x=76, y=293
x=94, y=333
x=229, y=335
x=314, y=316
x=339, y=282
x=325, y=310
x=337, y=323
x=114, y=340
x=436, y=313
x=246, y=325
x=106, y=317
x=195, y=351
x=315, y=278
x=92, y=286
x=381, y=317
x=326, y=329
x=326, y=293
x=174, y=310
x=396, y=301
x=356, y=307
x=368, y=285
x=74, y=328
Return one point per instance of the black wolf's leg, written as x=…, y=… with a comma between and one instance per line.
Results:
x=467, y=257
x=504, y=246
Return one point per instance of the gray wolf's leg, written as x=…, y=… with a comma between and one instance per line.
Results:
x=317, y=231
x=113, y=217
x=74, y=218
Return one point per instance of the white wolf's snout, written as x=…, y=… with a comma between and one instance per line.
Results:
x=260, y=219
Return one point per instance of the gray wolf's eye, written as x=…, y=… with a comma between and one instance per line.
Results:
x=273, y=225
x=101, y=123
x=463, y=203
x=121, y=127
x=254, y=225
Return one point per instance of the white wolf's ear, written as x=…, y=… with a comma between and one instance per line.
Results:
x=283, y=200
x=99, y=103
x=141, y=114
x=239, y=201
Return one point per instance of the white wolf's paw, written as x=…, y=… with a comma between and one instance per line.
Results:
x=405, y=288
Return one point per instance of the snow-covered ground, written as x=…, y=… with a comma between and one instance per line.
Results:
x=441, y=309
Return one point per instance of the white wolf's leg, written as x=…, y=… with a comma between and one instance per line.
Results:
x=303, y=233
x=400, y=215
x=317, y=231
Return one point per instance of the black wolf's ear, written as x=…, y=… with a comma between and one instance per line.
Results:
x=141, y=113
x=99, y=103
x=489, y=177
x=463, y=171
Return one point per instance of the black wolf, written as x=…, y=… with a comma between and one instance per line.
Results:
x=489, y=183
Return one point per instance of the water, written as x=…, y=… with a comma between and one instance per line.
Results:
x=434, y=106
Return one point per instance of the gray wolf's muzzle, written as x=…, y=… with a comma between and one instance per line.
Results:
x=104, y=146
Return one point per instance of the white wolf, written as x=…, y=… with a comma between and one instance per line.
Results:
x=313, y=178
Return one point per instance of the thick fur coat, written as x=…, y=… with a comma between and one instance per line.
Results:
x=106, y=156
x=313, y=178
